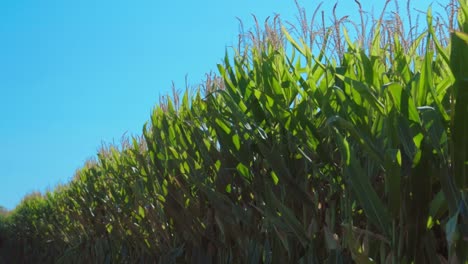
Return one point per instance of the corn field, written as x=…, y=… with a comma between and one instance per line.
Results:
x=307, y=147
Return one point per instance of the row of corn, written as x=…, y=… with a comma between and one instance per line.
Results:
x=286, y=157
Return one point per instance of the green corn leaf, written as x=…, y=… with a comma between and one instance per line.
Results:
x=236, y=141
x=365, y=193
x=403, y=102
x=438, y=206
x=459, y=64
x=293, y=42
x=365, y=92
x=141, y=212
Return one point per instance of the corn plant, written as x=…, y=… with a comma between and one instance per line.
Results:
x=353, y=154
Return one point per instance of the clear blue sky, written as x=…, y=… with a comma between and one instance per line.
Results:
x=74, y=74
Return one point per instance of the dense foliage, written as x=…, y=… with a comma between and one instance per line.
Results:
x=288, y=157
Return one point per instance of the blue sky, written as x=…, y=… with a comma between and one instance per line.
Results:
x=74, y=74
